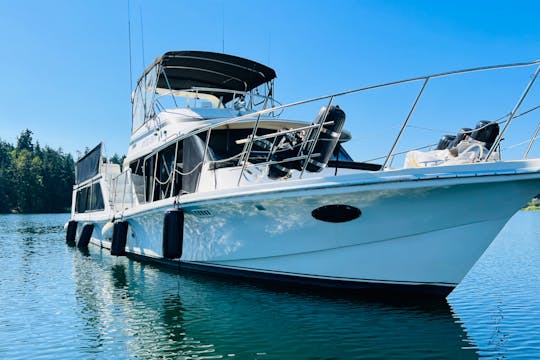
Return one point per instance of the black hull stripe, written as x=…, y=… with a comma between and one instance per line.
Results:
x=362, y=287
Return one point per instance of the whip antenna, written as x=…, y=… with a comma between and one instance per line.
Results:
x=142, y=35
x=129, y=45
x=222, y=27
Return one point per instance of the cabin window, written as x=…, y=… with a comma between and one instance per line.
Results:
x=166, y=179
x=177, y=168
x=223, y=145
x=138, y=179
x=157, y=176
x=340, y=154
x=89, y=198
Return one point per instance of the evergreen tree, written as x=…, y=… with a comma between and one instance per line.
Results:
x=6, y=178
x=24, y=141
x=117, y=159
x=34, y=178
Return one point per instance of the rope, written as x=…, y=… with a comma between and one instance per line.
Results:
x=189, y=172
x=520, y=143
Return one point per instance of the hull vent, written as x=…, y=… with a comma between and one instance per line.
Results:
x=201, y=212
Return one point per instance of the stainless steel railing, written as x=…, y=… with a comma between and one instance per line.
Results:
x=269, y=108
x=424, y=79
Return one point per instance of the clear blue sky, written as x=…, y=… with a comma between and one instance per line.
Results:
x=65, y=64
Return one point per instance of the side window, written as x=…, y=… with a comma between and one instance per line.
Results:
x=224, y=146
x=89, y=198
x=82, y=200
x=97, y=198
x=340, y=154
x=158, y=176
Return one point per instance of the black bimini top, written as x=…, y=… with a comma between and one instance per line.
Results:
x=187, y=69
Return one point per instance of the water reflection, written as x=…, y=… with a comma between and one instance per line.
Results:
x=498, y=300
x=57, y=302
x=133, y=309
x=60, y=302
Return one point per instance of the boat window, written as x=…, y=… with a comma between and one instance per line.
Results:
x=89, y=198
x=81, y=200
x=138, y=109
x=167, y=181
x=158, y=176
x=88, y=166
x=149, y=170
x=96, y=198
x=137, y=167
x=143, y=99
x=224, y=146
x=168, y=99
x=138, y=180
x=340, y=154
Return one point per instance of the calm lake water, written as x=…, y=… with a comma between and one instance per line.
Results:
x=58, y=302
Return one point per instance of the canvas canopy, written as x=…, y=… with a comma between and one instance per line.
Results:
x=187, y=69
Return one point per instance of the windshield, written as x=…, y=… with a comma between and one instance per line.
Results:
x=143, y=98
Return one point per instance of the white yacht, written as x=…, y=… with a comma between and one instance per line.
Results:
x=218, y=179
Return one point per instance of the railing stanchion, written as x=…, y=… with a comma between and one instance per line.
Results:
x=513, y=113
x=411, y=111
x=319, y=129
x=124, y=192
x=533, y=139
x=250, y=144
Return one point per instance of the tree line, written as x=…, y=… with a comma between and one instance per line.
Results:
x=36, y=179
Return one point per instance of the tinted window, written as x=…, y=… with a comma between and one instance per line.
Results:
x=89, y=198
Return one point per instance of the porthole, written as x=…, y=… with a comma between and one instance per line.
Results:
x=336, y=213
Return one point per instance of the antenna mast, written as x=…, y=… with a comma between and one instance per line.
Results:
x=130, y=65
x=222, y=27
x=142, y=35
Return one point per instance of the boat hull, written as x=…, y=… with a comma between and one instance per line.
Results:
x=419, y=235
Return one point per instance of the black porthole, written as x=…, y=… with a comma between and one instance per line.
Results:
x=336, y=213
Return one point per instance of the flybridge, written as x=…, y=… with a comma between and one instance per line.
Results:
x=187, y=69
x=218, y=78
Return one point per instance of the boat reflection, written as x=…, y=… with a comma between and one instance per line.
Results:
x=135, y=310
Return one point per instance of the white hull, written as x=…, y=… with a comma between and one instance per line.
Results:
x=220, y=176
x=427, y=231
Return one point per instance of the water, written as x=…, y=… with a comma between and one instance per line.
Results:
x=57, y=302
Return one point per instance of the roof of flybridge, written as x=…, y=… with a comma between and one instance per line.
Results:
x=188, y=69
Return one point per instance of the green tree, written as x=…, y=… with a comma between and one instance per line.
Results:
x=24, y=141
x=34, y=178
x=117, y=159
x=58, y=178
x=28, y=180
x=6, y=178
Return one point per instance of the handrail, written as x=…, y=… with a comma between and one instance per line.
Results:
x=531, y=142
x=249, y=146
x=282, y=132
x=257, y=115
x=356, y=90
x=246, y=93
x=512, y=114
x=197, y=89
x=411, y=111
x=316, y=137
